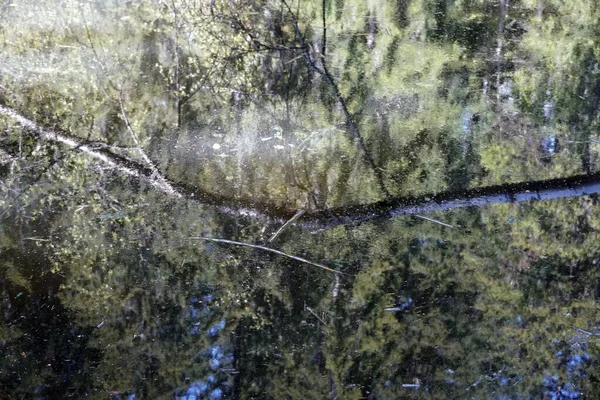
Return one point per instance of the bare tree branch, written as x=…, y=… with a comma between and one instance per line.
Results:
x=155, y=172
x=254, y=246
x=324, y=72
x=574, y=186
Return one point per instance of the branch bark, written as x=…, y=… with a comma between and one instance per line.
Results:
x=574, y=186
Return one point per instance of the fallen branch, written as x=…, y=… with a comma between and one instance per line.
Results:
x=574, y=186
x=315, y=314
x=288, y=223
x=435, y=221
x=128, y=167
x=75, y=143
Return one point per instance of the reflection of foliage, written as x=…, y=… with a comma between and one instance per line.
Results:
x=447, y=95
x=463, y=312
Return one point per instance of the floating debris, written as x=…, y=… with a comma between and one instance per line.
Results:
x=411, y=385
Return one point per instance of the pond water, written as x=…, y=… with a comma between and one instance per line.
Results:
x=298, y=200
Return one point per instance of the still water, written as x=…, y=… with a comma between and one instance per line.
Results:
x=299, y=200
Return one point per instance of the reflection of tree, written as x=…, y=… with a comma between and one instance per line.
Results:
x=46, y=353
x=133, y=282
x=411, y=139
x=501, y=305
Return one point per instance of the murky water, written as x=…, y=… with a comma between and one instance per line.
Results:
x=284, y=200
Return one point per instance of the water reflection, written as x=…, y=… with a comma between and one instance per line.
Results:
x=421, y=309
x=437, y=161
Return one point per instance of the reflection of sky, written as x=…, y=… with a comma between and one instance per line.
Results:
x=215, y=329
x=217, y=356
x=465, y=120
x=201, y=390
x=573, y=360
x=199, y=311
x=214, y=385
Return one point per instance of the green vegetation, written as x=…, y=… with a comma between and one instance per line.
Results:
x=299, y=105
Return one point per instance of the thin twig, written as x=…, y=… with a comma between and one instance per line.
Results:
x=433, y=220
x=288, y=223
x=145, y=157
x=315, y=314
x=254, y=246
x=130, y=129
x=585, y=332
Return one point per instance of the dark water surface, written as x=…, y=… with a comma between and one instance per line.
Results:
x=299, y=200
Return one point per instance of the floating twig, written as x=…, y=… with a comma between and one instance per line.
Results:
x=254, y=246
x=411, y=385
x=433, y=220
x=315, y=314
x=35, y=239
x=288, y=223
x=587, y=332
